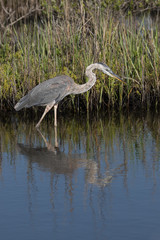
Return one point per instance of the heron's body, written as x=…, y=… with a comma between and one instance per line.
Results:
x=50, y=92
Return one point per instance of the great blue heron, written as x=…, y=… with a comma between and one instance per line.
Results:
x=50, y=92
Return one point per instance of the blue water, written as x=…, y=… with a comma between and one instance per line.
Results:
x=100, y=182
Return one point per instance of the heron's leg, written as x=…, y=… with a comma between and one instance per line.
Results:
x=55, y=136
x=55, y=115
x=49, y=146
x=48, y=107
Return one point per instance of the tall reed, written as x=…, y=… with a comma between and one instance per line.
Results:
x=36, y=51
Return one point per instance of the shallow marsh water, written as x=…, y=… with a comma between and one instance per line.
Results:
x=90, y=179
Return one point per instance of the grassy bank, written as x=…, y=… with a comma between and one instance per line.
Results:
x=66, y=43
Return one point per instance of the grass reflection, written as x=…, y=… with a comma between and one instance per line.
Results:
x=85, y=151
x=97, y=170
x=89, y=139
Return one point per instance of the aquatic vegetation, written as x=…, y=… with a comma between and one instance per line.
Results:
x=68, y=42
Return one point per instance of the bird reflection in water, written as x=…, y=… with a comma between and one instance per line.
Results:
x=55, y=161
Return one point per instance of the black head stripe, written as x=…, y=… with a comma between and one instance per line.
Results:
x=104, y=65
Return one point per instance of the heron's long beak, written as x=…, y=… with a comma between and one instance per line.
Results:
x=111, y=74
x=117, y=77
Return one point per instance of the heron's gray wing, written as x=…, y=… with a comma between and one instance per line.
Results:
x=54, y=89
x=48, y=91
x=51, y=90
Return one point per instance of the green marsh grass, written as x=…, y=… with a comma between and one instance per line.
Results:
x=34, y=52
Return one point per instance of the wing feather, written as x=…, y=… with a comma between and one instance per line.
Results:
x=54, y=89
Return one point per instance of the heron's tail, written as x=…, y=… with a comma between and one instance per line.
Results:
x=22, y=103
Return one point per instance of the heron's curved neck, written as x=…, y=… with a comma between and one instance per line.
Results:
x=91, y=81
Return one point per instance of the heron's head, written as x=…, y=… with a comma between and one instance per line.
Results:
x=105, y=69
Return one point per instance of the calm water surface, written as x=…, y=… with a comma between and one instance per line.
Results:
x=90, y=179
